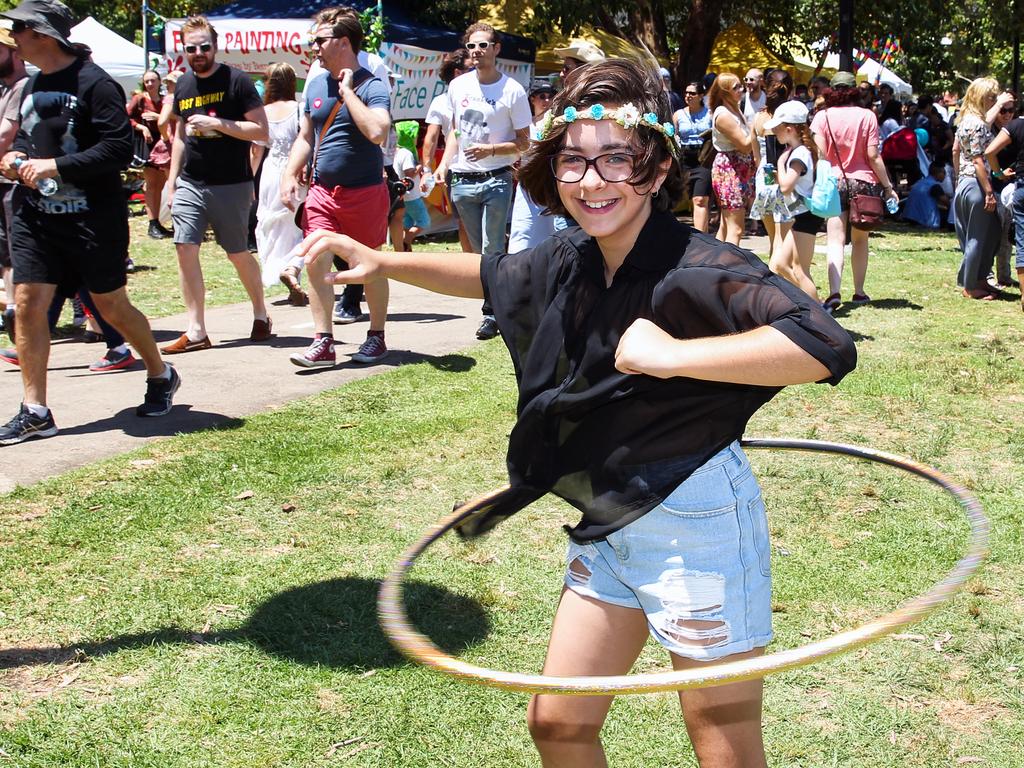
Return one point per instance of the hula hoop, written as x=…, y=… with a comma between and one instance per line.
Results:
x=419, y=648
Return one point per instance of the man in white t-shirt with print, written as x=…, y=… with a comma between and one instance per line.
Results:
x=490, y=128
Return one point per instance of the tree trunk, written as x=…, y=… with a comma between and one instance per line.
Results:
x=701, y=29
x=648, y=23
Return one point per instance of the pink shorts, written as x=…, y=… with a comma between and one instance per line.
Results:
x=359, y=212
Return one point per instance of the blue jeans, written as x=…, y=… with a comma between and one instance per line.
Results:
x=483, y=207
x=1018, y=223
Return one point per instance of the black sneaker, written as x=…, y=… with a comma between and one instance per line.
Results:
x=159, y=395
x=156, y=231
x=9, y=322
x=27, y=425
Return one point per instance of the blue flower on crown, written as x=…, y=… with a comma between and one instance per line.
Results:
x=669, y=129
x=651, y=118
x=570, y=114
x=596, y=111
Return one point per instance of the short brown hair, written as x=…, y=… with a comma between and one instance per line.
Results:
x=199, y=24
x=452, y=61
x=279, y=80
x=481, y=26
x=344, y=21
x=612, y=82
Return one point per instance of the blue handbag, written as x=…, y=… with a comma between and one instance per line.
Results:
x=824, y=199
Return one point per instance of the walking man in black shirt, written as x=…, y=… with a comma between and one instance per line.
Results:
x=72, y=230
x=219, y=114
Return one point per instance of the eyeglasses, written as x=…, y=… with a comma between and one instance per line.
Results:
x=483, y=45
x=613, y=167
x=204, y=47
x=321, y=41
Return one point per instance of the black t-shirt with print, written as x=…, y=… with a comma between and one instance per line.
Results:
x=611, y=444
x=213, y=157
x=77, y=115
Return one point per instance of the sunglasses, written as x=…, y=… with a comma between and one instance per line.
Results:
x=690, y=93
x=19, y=26
x=321, y=41
x=204, y=47
x=1007, y=110
x=483, y=45
x=737, y=87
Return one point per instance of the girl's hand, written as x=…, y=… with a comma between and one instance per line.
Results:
x=364, y=263
x=645, y=348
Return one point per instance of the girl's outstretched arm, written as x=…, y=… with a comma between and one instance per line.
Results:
x=454, y=274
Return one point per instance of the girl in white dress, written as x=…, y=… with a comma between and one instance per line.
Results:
x=276, y=233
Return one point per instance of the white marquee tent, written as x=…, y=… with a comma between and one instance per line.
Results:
x=121, y=59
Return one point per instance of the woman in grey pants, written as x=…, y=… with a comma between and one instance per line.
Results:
x=977, y=223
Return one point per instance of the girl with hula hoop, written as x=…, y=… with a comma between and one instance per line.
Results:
x=641, y=349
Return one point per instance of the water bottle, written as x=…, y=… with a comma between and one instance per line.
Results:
x=892, y=205
x=46, y=187
x=769, y=174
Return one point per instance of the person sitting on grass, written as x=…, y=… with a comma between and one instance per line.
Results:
x=641, y=347
x=928, y=204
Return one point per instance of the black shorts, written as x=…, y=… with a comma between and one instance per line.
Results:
x=807, y=223
x=11, y=196
x=698, y=178
x=71, y=250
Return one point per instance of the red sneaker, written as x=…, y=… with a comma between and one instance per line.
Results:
x=319, y=355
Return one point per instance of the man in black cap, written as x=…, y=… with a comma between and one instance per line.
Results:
x=72, y=229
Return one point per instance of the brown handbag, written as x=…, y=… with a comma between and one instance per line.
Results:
x=867, y=212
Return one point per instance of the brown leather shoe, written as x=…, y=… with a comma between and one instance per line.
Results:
x=184, y=344
x=261, y=330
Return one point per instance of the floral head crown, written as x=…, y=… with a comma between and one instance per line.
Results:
x=628, y=116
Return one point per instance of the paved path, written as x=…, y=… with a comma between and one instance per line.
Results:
x=96, y=412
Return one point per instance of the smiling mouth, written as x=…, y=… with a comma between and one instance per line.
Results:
x=597, y=205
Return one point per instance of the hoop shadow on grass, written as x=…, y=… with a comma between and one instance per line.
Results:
x=329, y=623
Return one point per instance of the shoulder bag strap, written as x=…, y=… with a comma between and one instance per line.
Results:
x=334, y=113
x=835, y=147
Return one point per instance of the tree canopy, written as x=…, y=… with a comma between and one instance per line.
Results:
x=945, y=42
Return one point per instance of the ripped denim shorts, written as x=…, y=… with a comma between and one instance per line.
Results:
x=697, y=565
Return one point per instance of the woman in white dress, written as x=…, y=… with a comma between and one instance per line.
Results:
x=276, y=233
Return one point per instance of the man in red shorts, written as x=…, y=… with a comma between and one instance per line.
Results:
x=347, y=194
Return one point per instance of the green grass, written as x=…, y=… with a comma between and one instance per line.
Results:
x=152, y=613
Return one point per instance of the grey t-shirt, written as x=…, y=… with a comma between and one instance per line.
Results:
x=346, y=158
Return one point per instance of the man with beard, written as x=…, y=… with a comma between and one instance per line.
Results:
x=72, y=228
x=12, y=82
x=219, y=115
x=346, y=119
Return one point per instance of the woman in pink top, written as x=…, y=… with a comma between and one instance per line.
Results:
x=847, y=136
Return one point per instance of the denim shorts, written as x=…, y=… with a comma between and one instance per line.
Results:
x=697, y=565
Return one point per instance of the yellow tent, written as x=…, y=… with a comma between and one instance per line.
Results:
x=738, y=49
x=513, y=15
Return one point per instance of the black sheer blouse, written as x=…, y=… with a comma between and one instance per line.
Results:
x=616, y=445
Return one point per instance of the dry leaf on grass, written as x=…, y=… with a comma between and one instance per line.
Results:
x=244, y=495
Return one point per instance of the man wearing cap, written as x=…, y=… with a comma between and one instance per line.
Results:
x=12, y=82
x=576, y=54
x=674, y=99
x=75, y=136
x=490, y=127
